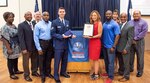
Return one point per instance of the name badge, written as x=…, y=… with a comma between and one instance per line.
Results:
x=52, y=28
x=58, y=26
x=67, y=25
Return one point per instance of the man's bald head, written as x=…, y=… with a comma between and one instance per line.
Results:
x=37, y=16
x=45, y=16
x=137, y=15
x=123, y=14
x=109, y=11
x=28, y=16
x=45, y=13
x=38, y=12
x=123, y=17
x=108, y=15
x=137, y=11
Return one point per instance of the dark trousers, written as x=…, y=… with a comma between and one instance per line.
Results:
x=138, y=48
x=33, y=55
x=45, y=59
x=121, y=63
x=126, y=60
x=12, y=65
x=60, y=55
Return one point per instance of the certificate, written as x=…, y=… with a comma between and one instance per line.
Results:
x=88, y=30
x=3, y=3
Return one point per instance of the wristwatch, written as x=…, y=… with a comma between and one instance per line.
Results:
x=114, y=47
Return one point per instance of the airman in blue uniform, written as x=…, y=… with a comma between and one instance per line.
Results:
x=60, y=42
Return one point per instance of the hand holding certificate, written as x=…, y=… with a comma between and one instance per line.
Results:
x=88, y=30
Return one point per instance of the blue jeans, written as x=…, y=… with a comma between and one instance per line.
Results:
x=109, y=58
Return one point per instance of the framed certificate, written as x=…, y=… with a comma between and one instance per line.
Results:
x=3, y=3
x=88, y=30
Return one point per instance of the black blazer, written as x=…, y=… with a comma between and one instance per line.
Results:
x=25, y=35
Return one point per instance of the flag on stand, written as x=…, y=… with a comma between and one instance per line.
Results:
x=129, y=11
x=36, y=6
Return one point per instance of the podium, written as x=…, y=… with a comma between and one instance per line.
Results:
x=78, y=54
x=78, y=67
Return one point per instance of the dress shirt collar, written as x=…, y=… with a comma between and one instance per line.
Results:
x=37, y=21
x=123, y=25
x=61, y=19
x=137, y=20
x=30, y=23
x=45, y=21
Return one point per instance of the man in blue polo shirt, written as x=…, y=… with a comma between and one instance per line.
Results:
x=110, y=38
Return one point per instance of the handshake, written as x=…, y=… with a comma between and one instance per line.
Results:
x=68, y=34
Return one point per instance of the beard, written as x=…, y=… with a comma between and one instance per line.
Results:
x=136, y=19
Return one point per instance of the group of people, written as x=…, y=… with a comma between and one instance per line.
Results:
x=117, y=39
x=39, y=40
x=42, y=39
x=121, y=39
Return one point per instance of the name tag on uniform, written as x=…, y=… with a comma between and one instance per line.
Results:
x=52, y=28
x=58, y=26
x=67, y=25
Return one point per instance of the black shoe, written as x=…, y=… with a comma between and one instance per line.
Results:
x=123, y=79
x=131, y=70
x=65, y=75
x=42, y=80
x=19, y=72
x=119, y=74
x=50, y=75
x=27, y=78
x=35, y=74
x=138, y=74
x=14, y=77
x=57, y=81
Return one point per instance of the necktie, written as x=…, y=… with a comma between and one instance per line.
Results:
x=63, y=22
x=31, y=25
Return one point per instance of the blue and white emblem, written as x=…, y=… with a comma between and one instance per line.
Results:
x=77, y=46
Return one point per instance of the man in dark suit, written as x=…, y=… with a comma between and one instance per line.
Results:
x=60, y=41
x=123, y=47
x=25, y=34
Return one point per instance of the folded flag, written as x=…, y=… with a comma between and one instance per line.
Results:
x=68, y=33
